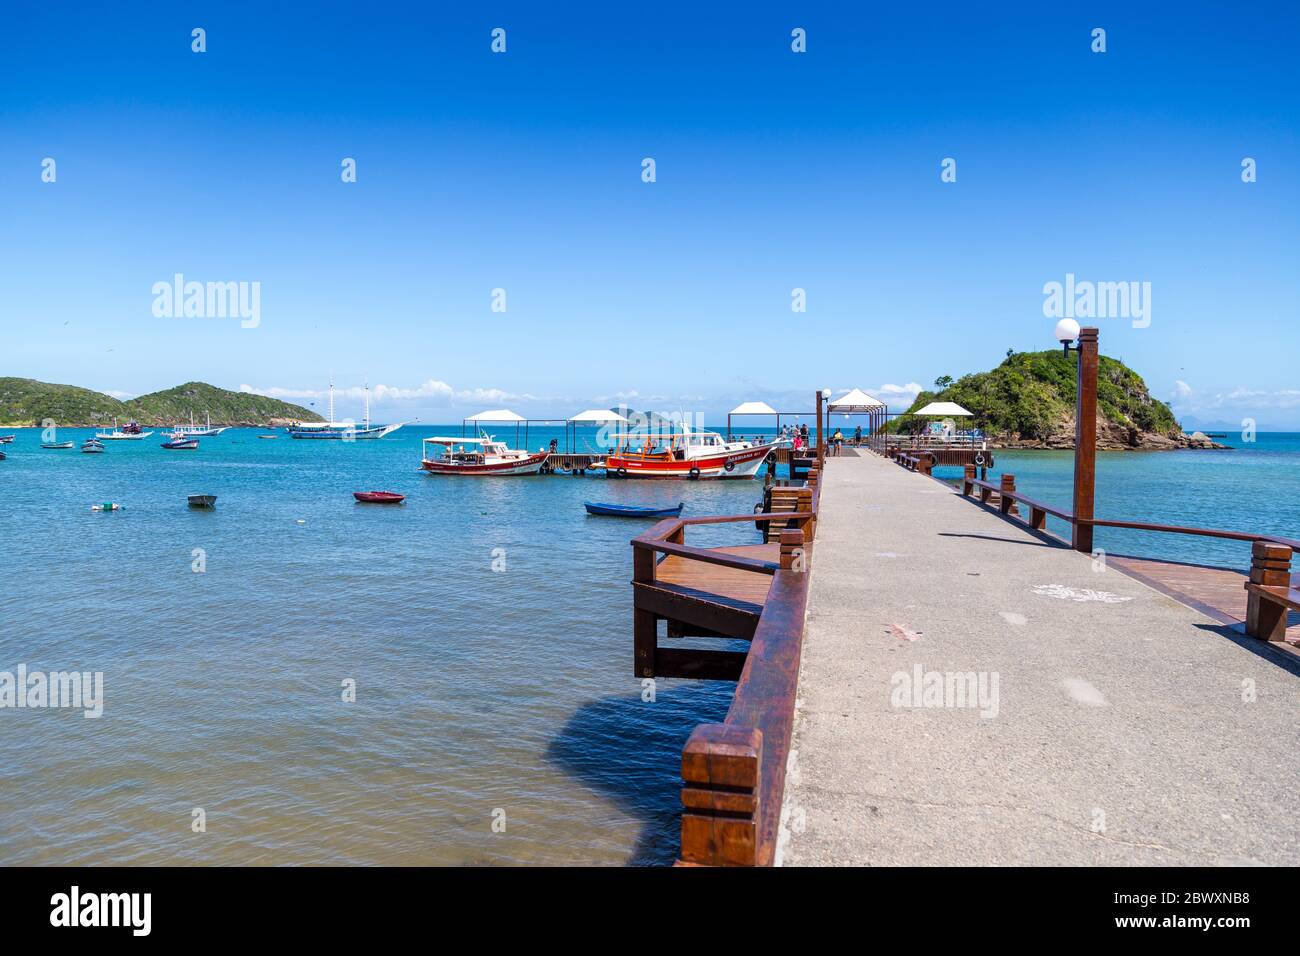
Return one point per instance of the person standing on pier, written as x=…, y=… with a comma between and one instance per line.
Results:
x=857, y=437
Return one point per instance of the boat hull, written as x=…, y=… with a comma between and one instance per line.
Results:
x=628, y=511
x=183, y=444
x=379, y=497
x=360, y=433
x=520, y=466
x=744, y=463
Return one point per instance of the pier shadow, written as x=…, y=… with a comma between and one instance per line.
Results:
x=630, y=752
x=1286, y=657
x=1038, y=539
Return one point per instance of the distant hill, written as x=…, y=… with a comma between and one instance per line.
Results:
x=1029, y=401
x=25, y=401
x=175, y=405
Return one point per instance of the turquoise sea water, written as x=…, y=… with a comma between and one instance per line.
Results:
x=479, y=692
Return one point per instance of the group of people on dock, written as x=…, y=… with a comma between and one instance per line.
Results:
x=797, y=434
x=837, y=440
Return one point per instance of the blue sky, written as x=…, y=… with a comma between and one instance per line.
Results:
x=522, y=171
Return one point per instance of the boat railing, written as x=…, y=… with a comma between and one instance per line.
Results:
x=733, y=773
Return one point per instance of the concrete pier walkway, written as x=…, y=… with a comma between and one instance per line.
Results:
x=973, y=694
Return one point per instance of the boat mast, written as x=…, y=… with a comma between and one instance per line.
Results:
x=367, y=404
x=331, y=398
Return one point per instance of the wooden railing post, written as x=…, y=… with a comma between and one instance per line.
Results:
x=803, y=502
x=793, y=557
x=968, y=477
x=1007, y=504
x=1085, y=442
x=1270, y=566
x=645, y=626
x=721, y=770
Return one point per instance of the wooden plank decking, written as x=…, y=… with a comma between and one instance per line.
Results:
x=1218, y=593
x=730, y=584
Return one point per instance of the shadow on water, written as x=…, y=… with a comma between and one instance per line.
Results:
x=630, y=750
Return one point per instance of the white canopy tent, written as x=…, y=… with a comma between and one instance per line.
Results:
x=598, y=416
x=496, y=415
x=855, y=401
x=594, y=416
x=500, y=416
x=858, y=402
x=753, y=408
x=943, y=409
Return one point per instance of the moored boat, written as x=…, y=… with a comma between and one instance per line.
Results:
x=130, y=432
x=199, y=431
x=6, y=439
x=379, y=497
x=477, y=456
x=52, y=445
x=179, y=442
x=92, y=446
x=344, y=431
x=687, y=454
x=202, y=501
x=631, y=511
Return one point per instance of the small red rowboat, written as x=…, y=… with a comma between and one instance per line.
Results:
x=379, y=497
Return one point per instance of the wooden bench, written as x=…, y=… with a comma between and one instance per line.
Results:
x=1269, y=595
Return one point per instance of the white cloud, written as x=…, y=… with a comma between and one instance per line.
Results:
x=1182, y=391
x=120, y=396
x=431, y=390
x=890, y=390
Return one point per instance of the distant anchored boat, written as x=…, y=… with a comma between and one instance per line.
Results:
x=52, y=445
x=200, y=431
x=379, y=497
x=202, y=501
x=92, y=446
x=631, y=511
x=344, y=431
x=180, y=442
x=130, y=432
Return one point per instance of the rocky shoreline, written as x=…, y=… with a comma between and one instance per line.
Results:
x=1113, y=438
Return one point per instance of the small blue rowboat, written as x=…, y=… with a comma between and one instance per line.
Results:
x=631, y=511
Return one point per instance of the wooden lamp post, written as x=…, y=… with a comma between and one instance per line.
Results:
x=1085, y=430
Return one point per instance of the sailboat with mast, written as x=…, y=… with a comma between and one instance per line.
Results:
x=199, y=431
x=347, y=431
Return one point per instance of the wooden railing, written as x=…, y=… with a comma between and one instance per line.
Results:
x=924, y=462
x=1269, y=595
x=733, y=773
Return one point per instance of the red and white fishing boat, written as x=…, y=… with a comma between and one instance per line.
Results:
x=478, y=456
x=687, y=454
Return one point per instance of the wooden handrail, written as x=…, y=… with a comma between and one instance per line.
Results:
x=1025, y=500
x=1291, y=543
x=1065, y=515
x=733, y=773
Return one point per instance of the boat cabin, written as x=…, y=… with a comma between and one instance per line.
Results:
x=469, y=451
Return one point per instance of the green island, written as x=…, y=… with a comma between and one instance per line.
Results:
x=26, y=402
x=1028, y=402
